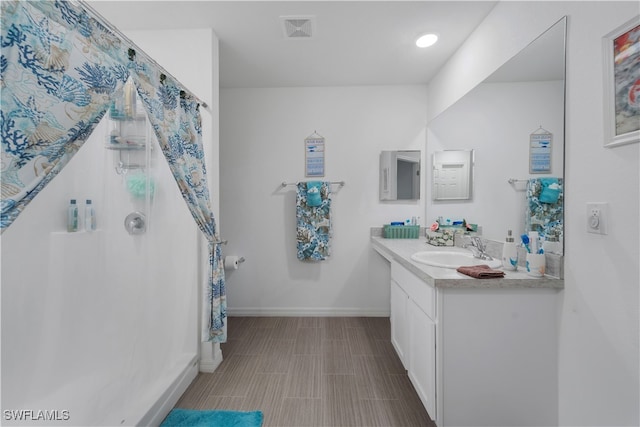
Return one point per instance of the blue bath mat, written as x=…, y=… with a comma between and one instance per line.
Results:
x=193, y=418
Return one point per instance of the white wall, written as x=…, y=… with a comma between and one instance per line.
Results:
x=262, y=145
x=599, y=322
x=495, y=120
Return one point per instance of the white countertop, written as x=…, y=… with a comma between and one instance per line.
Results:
x=400, y=250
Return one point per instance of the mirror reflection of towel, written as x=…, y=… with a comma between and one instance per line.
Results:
x=550, y=190
x=545, y=206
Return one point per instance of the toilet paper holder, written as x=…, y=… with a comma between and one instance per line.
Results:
x=232, y=262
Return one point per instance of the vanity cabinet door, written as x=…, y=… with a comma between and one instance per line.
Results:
x=422, y=356
x=399, y=322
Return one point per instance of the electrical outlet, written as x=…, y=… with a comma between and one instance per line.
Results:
x=597, y=215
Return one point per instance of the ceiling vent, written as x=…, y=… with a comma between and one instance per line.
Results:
x=298, y=27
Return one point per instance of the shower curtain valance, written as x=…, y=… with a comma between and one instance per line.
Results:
x=60, y=69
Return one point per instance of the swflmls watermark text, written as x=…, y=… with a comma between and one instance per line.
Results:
x=36, y=415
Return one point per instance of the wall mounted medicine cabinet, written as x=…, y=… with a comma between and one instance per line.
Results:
x=400, y=175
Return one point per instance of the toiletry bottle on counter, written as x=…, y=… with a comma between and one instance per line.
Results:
x=534, y=242
x=72, y=216
x=510, y=253
x=89, y=216
x=551, y=245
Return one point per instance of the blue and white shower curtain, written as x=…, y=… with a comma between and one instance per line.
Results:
x=60, y=69
x=175, y=118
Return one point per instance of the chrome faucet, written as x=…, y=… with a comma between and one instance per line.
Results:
x=478, y=248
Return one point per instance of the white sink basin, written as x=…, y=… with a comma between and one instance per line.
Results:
x=451, y=259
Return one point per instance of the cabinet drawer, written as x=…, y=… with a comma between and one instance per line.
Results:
x=418, y=291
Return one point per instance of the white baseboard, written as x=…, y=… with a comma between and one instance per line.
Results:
x=209, y=365
x=170, y=397
x=305, y=312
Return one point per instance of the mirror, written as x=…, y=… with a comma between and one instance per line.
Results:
x=452, y=174
x=400, y=175
x=497, y=120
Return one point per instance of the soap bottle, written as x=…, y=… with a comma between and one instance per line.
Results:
x=72, y=216
x=89, y=216
x=510, y=253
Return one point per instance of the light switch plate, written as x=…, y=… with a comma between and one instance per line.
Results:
x=597, y=217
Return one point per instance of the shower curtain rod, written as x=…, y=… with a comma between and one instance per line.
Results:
x=132, y=45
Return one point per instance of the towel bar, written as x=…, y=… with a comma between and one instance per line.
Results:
x=340, y=183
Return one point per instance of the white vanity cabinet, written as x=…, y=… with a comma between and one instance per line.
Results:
x=497, y=357
x=413, y=331
x=422, y=356
x=477, y=353
x=399, y=322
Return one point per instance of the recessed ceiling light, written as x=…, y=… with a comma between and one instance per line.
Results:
x=427, y=40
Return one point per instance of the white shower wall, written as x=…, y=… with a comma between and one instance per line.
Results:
x=99, y=324
x=104, y=325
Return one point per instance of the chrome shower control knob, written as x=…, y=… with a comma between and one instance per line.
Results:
x=135, y=223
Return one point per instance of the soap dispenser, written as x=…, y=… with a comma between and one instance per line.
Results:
x=510, y=253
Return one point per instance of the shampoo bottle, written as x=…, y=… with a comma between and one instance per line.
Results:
x=89, y=216
x=72, y=216
x=129, y=100
x=510, y=253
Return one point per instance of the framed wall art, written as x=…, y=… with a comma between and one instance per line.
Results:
x=314, y=155
x=621, y=49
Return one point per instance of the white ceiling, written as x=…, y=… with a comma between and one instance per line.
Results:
x=355, y=42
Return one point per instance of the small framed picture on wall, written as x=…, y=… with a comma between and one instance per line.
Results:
x=314, y=155
x=621, y=49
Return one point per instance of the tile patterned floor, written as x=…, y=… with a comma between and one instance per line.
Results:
x=311, y=371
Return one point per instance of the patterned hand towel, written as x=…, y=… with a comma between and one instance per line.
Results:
x=313, y=228
x=482, y=271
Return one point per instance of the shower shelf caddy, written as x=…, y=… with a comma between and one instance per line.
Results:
x=128, y=136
